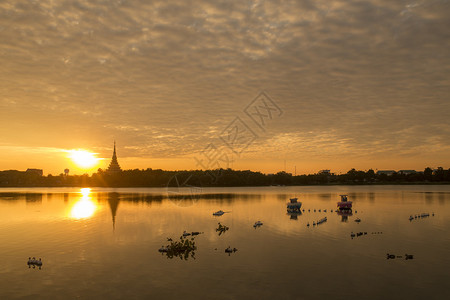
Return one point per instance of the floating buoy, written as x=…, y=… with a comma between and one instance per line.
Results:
x=230, y=250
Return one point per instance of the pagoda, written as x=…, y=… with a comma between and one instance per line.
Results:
x=114, y=164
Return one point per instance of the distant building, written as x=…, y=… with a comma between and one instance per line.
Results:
x=407, y=172
x=386, y=172
x=35, y=171
x=114, y=166
x=324, y=172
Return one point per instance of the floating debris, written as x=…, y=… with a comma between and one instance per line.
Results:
x=218, y=213
x=358, y=234
x=358, y=220
x=230, y=250
x=393, y=256
x=323, y=220
x=422, y=215
x=186, y=234
x=33, y=262
x=221, y=229
x=257, y=224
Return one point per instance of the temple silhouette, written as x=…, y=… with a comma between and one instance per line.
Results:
x=114, y=166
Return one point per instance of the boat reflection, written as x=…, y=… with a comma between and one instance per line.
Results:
x=85, y=207
x=294, y=214
x=345, y=214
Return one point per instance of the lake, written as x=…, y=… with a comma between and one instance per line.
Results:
x=103, y=243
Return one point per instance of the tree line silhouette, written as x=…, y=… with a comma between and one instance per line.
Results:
x=217, y=178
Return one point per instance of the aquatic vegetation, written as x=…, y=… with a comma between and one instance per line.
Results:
x=183, y=248
x=222, y=228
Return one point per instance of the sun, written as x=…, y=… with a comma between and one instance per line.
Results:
x=83, y=158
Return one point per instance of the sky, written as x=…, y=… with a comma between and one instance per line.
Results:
x=269, y=86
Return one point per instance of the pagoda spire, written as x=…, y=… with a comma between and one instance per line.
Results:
x=114, y=166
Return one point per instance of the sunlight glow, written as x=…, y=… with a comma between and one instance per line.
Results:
x=83, y=158
x=85, y=207
x=85, y=192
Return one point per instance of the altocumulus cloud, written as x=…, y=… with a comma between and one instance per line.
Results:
x=352, y=77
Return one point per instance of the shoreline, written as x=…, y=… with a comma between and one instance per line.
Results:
x=234, y=186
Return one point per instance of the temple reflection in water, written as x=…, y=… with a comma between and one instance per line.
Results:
x=113, y=201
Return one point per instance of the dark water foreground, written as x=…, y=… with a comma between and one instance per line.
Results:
x=103, y=243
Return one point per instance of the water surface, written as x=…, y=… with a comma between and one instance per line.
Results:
x=103, y=243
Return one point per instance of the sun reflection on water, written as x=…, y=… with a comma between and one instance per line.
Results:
x=85, y=207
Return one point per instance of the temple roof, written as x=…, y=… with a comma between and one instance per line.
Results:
x=114, y=166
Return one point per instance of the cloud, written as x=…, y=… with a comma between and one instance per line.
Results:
x=359, y=76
